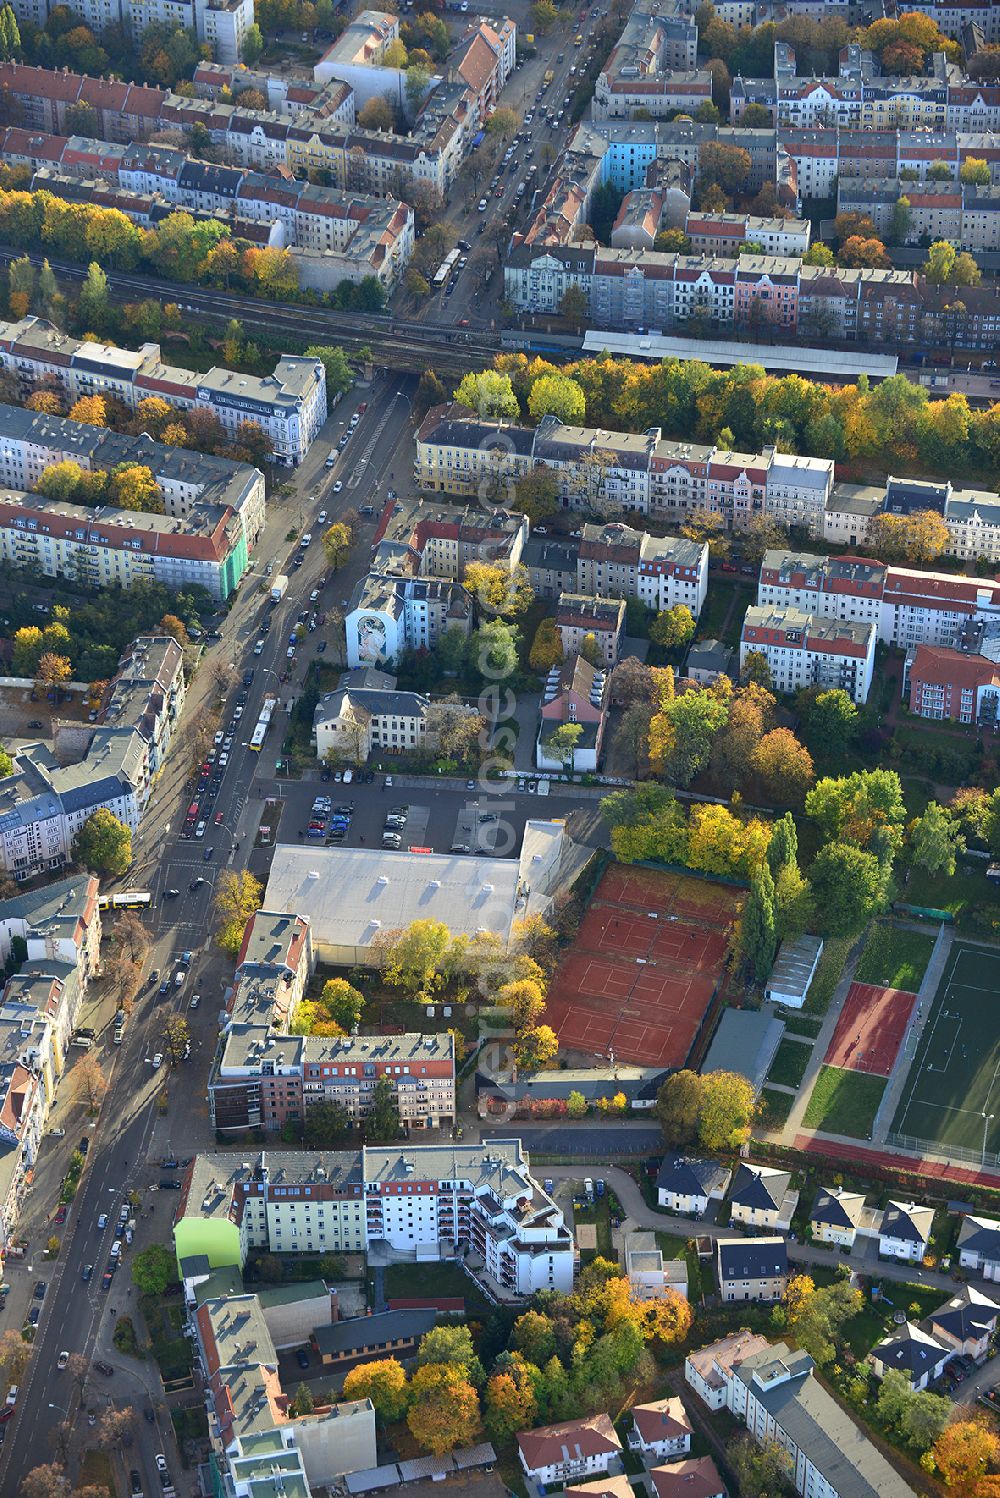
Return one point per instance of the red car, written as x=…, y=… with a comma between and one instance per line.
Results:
x=218, y=819
x=61, y=1215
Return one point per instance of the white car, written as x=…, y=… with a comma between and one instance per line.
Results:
x=62, y=1360
x=161, y=1462
x=157, y=1060
x=321, y=517
x=258, y=649
x=338, y=486
x=199, y=831
x=218, y=738
x=195, y=1001
x=102, y=1222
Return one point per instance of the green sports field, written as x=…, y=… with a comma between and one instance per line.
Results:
x=951, y=1097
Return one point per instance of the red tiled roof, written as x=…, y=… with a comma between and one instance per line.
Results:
x=943, y=667
x=697, y=1477
x=548, y=1446
x=664, y=1420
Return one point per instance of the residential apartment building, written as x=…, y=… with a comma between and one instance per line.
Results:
x=256, y=1438
x=262, y=1079
x=579, y=615
x=433, y=1199
x=214, y=509
x=751, y=1268
x=966, y=214
x=614, y=560
x=836, y=1215
x=972, y=516
x=773, y=1392
x=620, y=473
x=575, y=693
x=389, y=613
x=979, y=1246
x=568, y=1452
x=661, y=1429
x=804, y=650
x=289, y=405
x=762, y=1197
x=907, y=607
x=310, y=128
x=440, y=540
x=724, y=233
x=951, y=685
x=50, y=942
x=366, y=712
x=653, y=66
x=44, y=801
x=686, y=1184
x=222, y=25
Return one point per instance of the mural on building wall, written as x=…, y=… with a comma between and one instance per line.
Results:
x=371, y=638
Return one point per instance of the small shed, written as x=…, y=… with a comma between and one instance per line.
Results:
x=793, y=971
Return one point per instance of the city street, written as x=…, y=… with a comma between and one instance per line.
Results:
x=130, y=1135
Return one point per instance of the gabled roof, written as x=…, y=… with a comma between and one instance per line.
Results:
x=907, y=1221
x=837, y=1208
x=760, y=1188
x=695, y=1477
x=980, y=1235
x=687, y=1175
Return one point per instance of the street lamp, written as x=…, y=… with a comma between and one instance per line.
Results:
x=987, y=1120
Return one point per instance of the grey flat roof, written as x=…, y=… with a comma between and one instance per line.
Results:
x=745, y=1042
x=792, y=359
x=795, y=964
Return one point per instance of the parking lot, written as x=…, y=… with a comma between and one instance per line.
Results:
x=442, y=819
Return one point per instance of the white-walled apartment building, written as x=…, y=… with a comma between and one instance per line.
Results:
x=220, y=24
x=906, y=607
x=639, y=473
x=214, y=509
x=43, y=803
x=803, y=650
x=971, y=515
x=289, y=405
x=723, y=233
x=59, y=930
x=431, y=1200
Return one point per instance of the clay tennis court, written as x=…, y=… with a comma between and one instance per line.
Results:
x=644, y=967
x=871, y=1029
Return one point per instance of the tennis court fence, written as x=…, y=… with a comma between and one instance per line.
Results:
x=935, y=1150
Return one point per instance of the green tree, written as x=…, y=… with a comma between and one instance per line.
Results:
x=758, y=933
x=337, y=544
x=975, y=171
x=576, y=1105
x=237, y=896
x=430, y=392
x=452, y=1345
x=339, y=376
x=818, y=253
x=416, y=84
x=763, y=1470
x=302, y=1401
x=546, y=648
x=103, y=843
x=673, y=628
x=326, y=1125
x=176, y=1038
x=253, y=45
x=935, y=841
x=412, y=957
x=557, y=395
x=93, y=306
x=444, y=1408
x=6, y=763
x=828, y=719
x=489, y=393
x=573, y=306
x=848, y=887
x=865, y=808
x=784, y=845
x=382, y=1121
x=492, y=650
x=153, y=1269
x=343, y=1003
x=900, y=220
x=678, y=1106
x=563, y=743
x=533, y=1336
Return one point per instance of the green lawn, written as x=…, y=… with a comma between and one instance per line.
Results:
x=802, y=1024
x=774, y=1108
x=965, y=894
x=414, y=1281
x=790, y=1062
x=894, y=958
x=844, y=1102
x=600, y=1216
x=829, y=972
